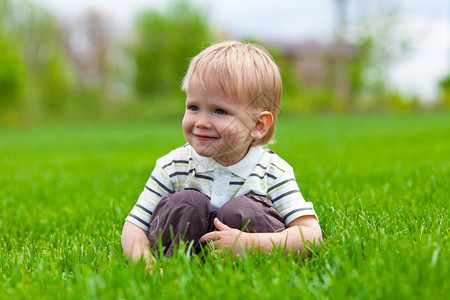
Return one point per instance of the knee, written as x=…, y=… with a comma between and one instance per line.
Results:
x=253, y=214
x=186, y=198
x=185, y=203
x=186, y=214
x=235, y=213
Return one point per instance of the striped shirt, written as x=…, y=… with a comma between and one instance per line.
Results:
x=261, y=172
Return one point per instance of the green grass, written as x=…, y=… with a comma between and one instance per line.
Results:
x=380, y=186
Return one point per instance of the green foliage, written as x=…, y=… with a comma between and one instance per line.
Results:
x=56, y=77
x=11, y=66
x=379, y=42
x=41, y=79
x=165, y=42
x=379, y=185
x=357, y=63
x=34, y=73
x=11, y=73
x=444, y=90
x=47, y=66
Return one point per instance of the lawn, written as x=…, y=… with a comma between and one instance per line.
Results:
x=380, y=186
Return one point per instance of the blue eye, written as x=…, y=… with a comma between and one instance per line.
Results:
x=194, y=108
x=220, y=112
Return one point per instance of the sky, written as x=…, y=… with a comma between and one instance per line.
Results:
x=425, y=23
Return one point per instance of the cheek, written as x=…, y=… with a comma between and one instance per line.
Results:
x=224, y=126
x=186, y=120
x=186, y=124
x=233, y=131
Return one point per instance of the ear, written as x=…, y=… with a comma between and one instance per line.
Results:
x=263, y=122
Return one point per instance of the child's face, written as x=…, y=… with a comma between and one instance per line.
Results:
x=217, y=126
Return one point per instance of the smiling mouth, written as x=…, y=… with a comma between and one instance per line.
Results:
x=204, y=137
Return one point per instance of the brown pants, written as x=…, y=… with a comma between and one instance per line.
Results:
x=188, y=215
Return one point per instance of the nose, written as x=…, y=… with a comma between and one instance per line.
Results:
x=203, y=121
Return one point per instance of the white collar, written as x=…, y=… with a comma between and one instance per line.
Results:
x=242, y=168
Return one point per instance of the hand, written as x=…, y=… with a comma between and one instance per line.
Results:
x=226, y=238
x=136, y=246
x=151, y=266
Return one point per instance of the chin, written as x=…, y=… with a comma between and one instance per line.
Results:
x=206, y=152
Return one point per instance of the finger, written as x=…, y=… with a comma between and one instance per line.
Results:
x=151, y=268
x=214, y=253
x=210, y=236
x=220, y=226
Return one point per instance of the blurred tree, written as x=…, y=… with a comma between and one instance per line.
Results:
x=11, y=67
x=444, y=91
x=377, y=33
x=47, y=66
x=88, y=43
x=340, y=60
x=164, y=42
x=349, y=72
x=33, y=68
x=373, y=28
x=11, y=72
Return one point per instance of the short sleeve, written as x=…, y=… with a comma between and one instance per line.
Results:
x=157, y=187
x=287, y=198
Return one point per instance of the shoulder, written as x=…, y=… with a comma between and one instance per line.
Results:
x=274, y=163
x=181, y=155
x=269, y=157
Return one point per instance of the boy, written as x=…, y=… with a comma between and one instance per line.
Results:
x=222, y=187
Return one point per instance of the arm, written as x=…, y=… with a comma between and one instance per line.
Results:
x=135, y=244
x=134, y=239
x=300, y=231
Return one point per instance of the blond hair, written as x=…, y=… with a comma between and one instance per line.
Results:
x=243, y=71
